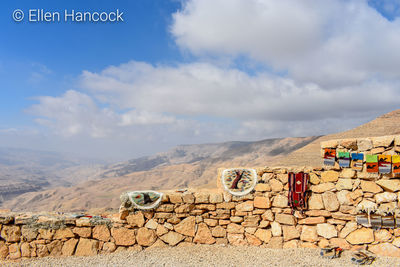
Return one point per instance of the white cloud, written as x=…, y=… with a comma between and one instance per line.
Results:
x=76, y=113
x=160, y=101
x=73, y=113
x=329, y=42
x=199, y=89
x=144, y=118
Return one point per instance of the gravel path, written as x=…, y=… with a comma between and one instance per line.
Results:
x=202, y=255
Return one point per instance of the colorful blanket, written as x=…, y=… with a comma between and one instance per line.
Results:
x=385, y=163
x=372, y=163
x=396, y=164
x=297, y=196
x=239, y=182
x=344, y=159
x=145, y=200
x=329, y=156
x=357, y=160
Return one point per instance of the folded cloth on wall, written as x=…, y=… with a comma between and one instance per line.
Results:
x=344, y=159
x=372, y=163
x=297, y=195
x=385, y=163
x=357, y=160
x=396, y=164
x=329, y=156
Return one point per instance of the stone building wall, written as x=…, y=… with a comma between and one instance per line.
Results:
x=261, y=218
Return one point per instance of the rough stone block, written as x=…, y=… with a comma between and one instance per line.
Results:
x=312, y=220
x=82, y=231
x=385, y=197
x=87, y=247
x=203, y=235
x=137, y=219
x=280, y=201
x=344, y=197
x=330, y=144
x=320, y=188
x=383, y=141
x=329, y=176
x=202, y=197
x=145, y=237
x=262, y=188
x=237, y=239
x=234, y=228
x=63, y=233
x=101, y=232
x=175, y=198
x=315, y=202
x=276, y=185
x=245, y=206
x=290, y=232
x=385, y=249
x=11, y=233
x=172, y=238
x=187, y=226
x=218, y=231
x=188, y=198
x=216, y=198
x=364, y=144
x=326, y=230
x=285, y=219
x=331, y=202
x=123, y=236
x=276, y=229
x=344, y=184
x=392, y=185
x=369, y=186
x=263, y=235
x=361, y=236
x=309, y=234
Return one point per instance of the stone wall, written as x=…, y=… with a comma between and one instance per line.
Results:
x=261, y=218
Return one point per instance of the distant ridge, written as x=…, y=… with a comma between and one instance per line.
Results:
x=190, y=166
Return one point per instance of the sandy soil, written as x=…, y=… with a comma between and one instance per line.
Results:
x=203, y=255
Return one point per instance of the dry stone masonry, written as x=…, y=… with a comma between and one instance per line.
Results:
x=261, y=218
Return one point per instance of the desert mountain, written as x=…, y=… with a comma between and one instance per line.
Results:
x=183, y=166
x=24, y=170
x=190, y=166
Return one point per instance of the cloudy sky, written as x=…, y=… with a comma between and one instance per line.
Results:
x=194, y=71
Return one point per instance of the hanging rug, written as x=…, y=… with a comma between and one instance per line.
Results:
x=145, y=200
x=239, y=182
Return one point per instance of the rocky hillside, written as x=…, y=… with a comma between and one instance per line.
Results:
x=190, y=166
x=387, y=124
x=183, y=166
x=24, y=170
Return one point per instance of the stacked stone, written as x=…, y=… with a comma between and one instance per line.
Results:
x=40, y=235
x=262, y=218
x=330, y=218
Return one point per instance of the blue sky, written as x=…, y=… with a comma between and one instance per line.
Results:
x=65, y=49
x=193, y=71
